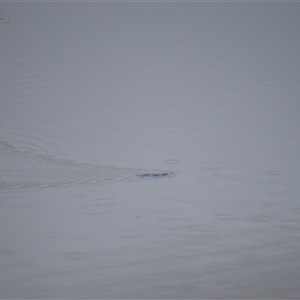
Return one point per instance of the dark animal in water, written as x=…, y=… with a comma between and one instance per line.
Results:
x=153, y=175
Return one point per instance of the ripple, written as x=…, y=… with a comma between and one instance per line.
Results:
x=81, y=195
x=218, y=170
x=261, y=218
x=6, y=252
x=210, y=169
x=169, y=134
x=234, y=174
x=202, y=231
x=94, y=209
x=272, y=172
x=296, y=210
x=212, y=165
x=76, y=255
x=295, y=294
x=26, y=141
x=225, y=217
x=185, y=201
x=106, y=201
x=275, y=187
x=175, y=224
x=130, y=234
x=171, y=161
x=207, y=174
x=290, y=224
x=209, y=232
x=222, y=102
x=268, y=205
x=28, y=205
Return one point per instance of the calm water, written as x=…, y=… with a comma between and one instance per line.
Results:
x=95, y=92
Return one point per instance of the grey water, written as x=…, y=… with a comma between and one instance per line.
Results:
x=101, y=104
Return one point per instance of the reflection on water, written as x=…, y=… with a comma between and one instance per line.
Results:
x=28, y=169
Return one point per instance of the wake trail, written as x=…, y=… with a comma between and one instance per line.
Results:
x=29, y=169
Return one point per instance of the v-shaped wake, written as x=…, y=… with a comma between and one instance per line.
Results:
x=29, y=169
